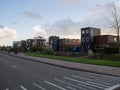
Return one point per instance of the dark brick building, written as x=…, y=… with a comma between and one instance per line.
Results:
x=103, y=41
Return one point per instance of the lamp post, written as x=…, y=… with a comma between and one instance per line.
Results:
x=118, y=36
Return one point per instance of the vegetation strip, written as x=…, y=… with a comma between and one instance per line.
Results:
x=79, y=60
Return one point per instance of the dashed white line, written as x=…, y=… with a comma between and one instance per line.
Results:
x=113, y=87
x=13, y=66
x=55, y=85
x=71, y=88
x=7, y=89
x=39, y=86
x=6, y=62
x=23, y=88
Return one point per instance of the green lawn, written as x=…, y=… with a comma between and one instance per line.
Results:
x=79, y=60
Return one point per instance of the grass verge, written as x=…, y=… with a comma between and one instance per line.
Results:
x=79, y=60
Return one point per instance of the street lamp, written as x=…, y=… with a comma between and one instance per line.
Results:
x=118, y=37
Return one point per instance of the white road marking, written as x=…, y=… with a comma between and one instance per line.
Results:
x=97, y=79
x=55, y=85
x=75, y=85
x=103, y=76
x=23, y=88
x=13, y=66
x=6, y=62
x=68, y=83
x=71, y=88
x=97, y=84
x=38, y=86
x=113, y=87
x=83, y=82
x=7, y=89
x=89, y=87
x=91, y=81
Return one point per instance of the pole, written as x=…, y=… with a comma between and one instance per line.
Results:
x=118, y=38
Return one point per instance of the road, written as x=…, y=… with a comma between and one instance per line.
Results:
x=22, y=74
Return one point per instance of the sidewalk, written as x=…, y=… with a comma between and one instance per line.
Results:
x=72, y=65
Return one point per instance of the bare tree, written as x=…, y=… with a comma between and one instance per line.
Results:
x=114, y=19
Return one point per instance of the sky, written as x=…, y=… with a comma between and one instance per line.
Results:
x=24, y=19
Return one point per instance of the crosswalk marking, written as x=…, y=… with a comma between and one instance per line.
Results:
x=55, y=85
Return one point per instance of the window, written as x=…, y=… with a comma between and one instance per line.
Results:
x=87, y=31
x=88, y=46
x=51, y=42
x=83, y=32
x=105, y=46
x=55, y=41
x=87, y=39
x=100, y=47
x=83, y=39
x=115, y=39
x=97, y=47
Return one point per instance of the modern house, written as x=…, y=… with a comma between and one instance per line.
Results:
x=39, y=42
x=87, y=38
x=103, y=41
x=68, y=44
x=54, y=42
x=21, y=45
x=91, y=38
x=15, y=44
x=29, y=43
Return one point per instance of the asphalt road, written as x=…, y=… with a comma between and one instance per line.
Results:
x=22, y=74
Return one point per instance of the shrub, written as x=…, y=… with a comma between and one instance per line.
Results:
x=90, y=54
x=111, y=50
x=48, y=52
x=37, y=48
x=114, y=57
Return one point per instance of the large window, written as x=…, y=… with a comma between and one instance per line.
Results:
x=115, y=39
x=97, y=47
x=83, y=39
x=87, y=31
x=83, y=32
x=88, y=46
x=87, y=39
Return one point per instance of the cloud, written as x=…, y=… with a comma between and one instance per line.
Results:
x=98, y=17
x=7, y=33
x=65, y=28
x=112, y=12
x=39, y=30
x=108, y=31
x=95, y=17
x=32, y=15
